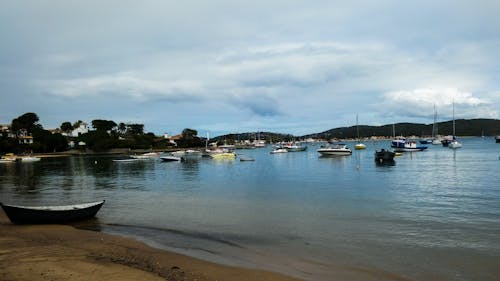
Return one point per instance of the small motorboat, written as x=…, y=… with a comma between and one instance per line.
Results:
x=146, y=156
x=335, y=150
x=454, y=144
x=170, y=158
x=29, y=159
x=187, y=155
x=125, y=160
x=360, y=146
x=293, y=147
x=404, y=145
x=242, y=159
x=279, y=150
x=223, y=156
x=51, y=214
x=384, y=155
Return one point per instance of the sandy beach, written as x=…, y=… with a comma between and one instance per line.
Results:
x=62, y=252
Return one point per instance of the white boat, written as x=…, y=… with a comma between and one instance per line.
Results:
x=125, y=160
x=3, y=160
x=170, y=158
x=358, y=145
x=293, y=147
x=436, y=138
x=148, y=155
x=29, y=159
x=454, y=142
x=279, y=150
x=336, y=149
x=403, y=145
x=188, y=154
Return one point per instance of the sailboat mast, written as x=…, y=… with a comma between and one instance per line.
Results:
x=453, y=119
x=434, y=124
x=357, y=126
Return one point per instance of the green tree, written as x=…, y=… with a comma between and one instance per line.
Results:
x=77, y=124
x=189, y=134
x=27, y=121
x=66, y=127
x=190, y=139
x=122, y=128
x=103, y=125
x=135, y=129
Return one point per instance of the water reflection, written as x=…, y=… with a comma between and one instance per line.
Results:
x=27, y=176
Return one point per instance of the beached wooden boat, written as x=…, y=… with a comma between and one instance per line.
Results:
x=51, y=214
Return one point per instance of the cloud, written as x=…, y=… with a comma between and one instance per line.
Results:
x=123, y=85
x=294, y=65
x=419, y=103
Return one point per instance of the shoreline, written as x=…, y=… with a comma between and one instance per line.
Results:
x=63, y=252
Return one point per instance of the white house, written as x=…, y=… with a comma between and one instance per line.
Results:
x=81, y=129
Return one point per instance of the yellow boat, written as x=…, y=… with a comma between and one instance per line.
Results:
x=359, y=146
x=223, y=156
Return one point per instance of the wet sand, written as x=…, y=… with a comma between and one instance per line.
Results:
x=62, y=252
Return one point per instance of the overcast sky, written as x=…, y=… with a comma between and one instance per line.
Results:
x=237, y=66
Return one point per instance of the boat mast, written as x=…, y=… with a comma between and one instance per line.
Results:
x=453, y=119
x=357, y=126
x=434, y=124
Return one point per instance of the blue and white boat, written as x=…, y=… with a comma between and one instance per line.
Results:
x=404, y=145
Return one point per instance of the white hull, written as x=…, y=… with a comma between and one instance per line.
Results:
x=279, y=150
x=170, y=159
x=332, y=152
x=30, y=159
x=455, y=144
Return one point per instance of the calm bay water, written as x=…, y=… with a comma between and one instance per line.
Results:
x=434, y=215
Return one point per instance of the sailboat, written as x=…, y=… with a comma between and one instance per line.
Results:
x=454, y=143
x=358, y=145
x=436, y=139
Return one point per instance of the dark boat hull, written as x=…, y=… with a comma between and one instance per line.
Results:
x=384, y=156
x=30, y=215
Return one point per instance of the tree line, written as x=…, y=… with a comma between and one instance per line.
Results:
x=107, y=134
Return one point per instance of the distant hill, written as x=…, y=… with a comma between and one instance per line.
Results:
x=463, y=127
x=268, y=136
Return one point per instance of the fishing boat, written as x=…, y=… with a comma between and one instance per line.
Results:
x=404, y=145
x=359, y=145
x=335, y=149
x=384, y=155
x=294, y=147
x=51, y=214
